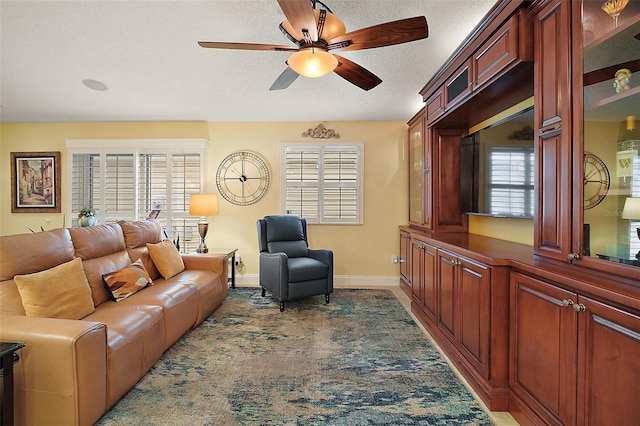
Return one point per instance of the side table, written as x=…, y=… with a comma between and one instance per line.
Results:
x=7, y=357
x=231, y=255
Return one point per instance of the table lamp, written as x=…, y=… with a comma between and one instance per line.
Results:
x=631, y=211
x=203, y=205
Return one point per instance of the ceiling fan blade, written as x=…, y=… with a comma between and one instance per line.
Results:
x=300, y=15
x=246, y=46
x=355, y=74
x=284, y=80
x=387, y=34
x=286, y=29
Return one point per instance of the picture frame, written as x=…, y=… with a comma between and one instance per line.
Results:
x=35, y=182
x=153, y=214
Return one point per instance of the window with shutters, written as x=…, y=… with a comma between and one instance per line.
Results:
x=511, y=180
x=125, y=180
x=322, y=182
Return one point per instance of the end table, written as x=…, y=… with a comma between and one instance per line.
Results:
x=231, y=255
x=7, y=357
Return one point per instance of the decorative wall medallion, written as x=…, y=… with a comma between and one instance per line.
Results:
x=321, y=132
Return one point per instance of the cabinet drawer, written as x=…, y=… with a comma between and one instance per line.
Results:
x=510, y=45
x=435, y=106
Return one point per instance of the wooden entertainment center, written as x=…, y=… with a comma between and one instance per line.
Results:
x=549, y=332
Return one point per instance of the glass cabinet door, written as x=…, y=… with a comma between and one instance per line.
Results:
x=611, y=157
x=416, y=167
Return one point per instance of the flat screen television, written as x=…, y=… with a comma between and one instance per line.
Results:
x=497, y=168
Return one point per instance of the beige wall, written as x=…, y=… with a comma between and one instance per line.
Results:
x=360, y=251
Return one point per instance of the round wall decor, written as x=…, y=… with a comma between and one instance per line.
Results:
x=243, y=178
x=596, y=180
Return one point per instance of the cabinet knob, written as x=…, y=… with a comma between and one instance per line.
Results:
x=574, y=256
x=579, y=307
x=567, y=302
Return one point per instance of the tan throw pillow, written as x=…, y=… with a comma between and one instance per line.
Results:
x=127, y=281
x=60, y=292
x=167, y=258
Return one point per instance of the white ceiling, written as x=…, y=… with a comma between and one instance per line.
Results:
x=146, y=53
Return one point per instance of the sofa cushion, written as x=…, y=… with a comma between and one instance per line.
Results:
x=34, y=252
x=136, y=236
x=60, y=292
x=167, y=258
x=127, y=281
x=91, y=242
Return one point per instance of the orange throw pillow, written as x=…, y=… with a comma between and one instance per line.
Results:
x=166, y=257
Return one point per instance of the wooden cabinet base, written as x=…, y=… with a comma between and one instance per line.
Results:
x=495, y=397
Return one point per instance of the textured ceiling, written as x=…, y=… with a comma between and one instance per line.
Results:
x=146, y=53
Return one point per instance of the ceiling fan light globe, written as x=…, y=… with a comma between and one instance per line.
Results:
x=333, y=26
x=312, y=62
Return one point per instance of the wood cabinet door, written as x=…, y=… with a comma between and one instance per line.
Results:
x=552, y=88
x=474, y=287
x=543, y=349
x=447, y=278
x=608, y=365
x=417, y=276
x=405, y=257
x=430, y=287
x=416, y=171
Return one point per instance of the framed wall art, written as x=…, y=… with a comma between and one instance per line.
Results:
x=35, y=182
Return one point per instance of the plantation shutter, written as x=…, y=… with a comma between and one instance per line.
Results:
x=322, y=182
x=85, y=183
x=119, y=188
x=511, y=181
x=340, y=184
x=302, y=177
x=152, y=183
x=185, y=180
x=125, y=180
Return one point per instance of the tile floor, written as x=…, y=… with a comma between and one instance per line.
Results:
x=500, y=418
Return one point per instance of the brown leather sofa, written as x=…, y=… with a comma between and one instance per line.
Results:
x=72, y=371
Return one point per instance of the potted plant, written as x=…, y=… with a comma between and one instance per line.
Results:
x=87, y=217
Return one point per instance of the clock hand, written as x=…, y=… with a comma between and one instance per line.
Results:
x=237, y=173
x=590, y=174
x=246, y=184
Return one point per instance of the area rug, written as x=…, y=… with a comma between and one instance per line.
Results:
x=360, y=360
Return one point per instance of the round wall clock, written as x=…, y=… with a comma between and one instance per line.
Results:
x=243, y=178
x=596, y=180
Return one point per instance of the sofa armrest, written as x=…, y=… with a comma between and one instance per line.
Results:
x=61, y=377
x=208, y=262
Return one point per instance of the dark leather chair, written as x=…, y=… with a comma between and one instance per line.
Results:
x=289, y=269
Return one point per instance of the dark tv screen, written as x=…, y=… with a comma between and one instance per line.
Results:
x=497, y=169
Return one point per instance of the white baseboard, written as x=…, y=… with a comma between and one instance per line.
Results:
x=339, y=281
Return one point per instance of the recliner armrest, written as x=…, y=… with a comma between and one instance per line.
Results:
x=326, y=256
x=274, y=273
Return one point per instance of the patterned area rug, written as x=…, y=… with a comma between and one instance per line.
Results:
x=361, y=360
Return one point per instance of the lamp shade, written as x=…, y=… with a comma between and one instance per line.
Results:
x=631, y=208
x=203, y=205
x=312, y=62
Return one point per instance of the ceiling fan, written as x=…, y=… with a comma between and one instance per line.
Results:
x=317, y=32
